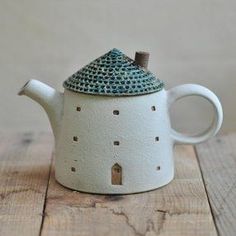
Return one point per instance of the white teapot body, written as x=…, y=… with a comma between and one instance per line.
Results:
x=116, y=145
x=112, y=127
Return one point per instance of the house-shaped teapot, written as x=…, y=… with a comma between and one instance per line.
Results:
x=111, y=125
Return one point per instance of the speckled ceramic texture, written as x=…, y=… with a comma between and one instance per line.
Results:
x=113, y=74
x=86, y=162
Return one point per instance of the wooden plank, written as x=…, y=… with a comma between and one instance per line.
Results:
x=180, y=208
x=24, y=172
x=217, y=159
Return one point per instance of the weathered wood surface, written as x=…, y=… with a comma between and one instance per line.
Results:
x=33, y=203
x=24, y=172
x=217, y=159
x=180, y=208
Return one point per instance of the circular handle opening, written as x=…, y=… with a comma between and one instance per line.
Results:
x=187, y=90
x=191, y=115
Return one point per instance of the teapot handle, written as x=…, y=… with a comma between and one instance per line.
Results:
x=185, y=90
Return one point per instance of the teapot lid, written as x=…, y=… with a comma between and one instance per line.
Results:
x=113, y=74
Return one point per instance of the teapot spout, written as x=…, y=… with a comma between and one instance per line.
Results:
x=50, y=99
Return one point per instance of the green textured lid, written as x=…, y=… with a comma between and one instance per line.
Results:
x=113, y=74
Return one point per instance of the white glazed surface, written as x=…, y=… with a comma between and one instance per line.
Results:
x=146, y=163
x=96, y=127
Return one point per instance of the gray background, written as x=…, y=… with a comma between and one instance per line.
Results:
x=190, y=41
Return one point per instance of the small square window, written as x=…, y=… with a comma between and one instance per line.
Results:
x=78, y=108
x=116, y=112
x=116, y=143
x=158, y=167
x=153, y=108
x=75, y=138
x=73, y=169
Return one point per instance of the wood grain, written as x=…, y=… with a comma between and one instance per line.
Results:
x=24, y=172
x=180, y=208
x=217, y=159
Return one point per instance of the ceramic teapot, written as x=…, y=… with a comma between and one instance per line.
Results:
x=112, y=128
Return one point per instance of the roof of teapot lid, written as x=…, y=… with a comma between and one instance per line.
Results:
x=113, y=74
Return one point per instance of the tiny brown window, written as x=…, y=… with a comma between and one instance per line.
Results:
x=116, y=174
x=78, y=108
x=73, y=169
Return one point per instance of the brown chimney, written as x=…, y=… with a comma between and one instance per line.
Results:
x=141, y=59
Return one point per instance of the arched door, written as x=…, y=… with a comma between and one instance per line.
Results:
x=116, y=174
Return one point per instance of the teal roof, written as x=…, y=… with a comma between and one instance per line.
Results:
x=113, y=74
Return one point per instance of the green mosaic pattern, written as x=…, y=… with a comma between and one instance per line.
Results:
x=113, y=74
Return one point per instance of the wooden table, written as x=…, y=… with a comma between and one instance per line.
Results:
x=201, y=200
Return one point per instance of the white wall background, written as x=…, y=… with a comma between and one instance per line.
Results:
x=190, y=41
